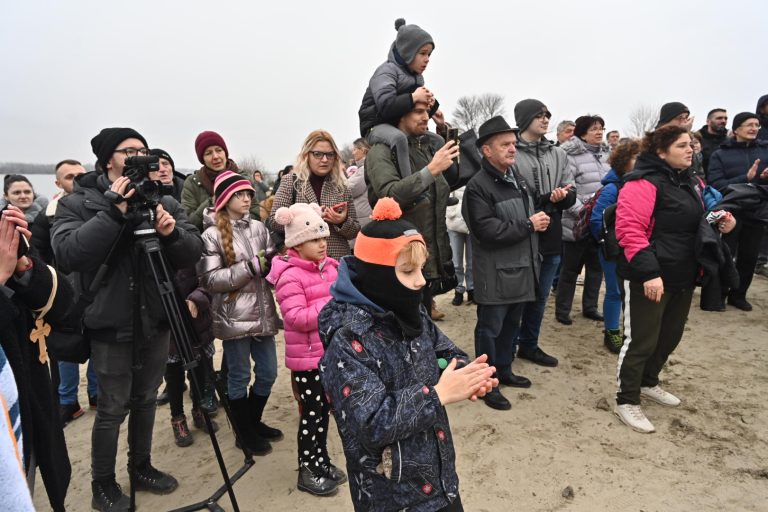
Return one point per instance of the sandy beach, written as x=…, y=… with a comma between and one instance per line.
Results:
x=559, y=448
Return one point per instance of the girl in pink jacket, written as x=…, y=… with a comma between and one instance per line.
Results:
x=302, y=280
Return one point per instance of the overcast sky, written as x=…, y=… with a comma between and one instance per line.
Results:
x=264, y=74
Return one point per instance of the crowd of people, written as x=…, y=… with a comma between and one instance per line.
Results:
x=352, y=255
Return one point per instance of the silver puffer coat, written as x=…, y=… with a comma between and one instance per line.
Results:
x=250, y=311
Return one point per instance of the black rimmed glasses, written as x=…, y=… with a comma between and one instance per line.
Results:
x=129, y=152
x=319, y=155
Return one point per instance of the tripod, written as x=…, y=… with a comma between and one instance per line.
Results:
x=180, y=323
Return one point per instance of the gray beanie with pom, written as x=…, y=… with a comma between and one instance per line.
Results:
x=410, y=38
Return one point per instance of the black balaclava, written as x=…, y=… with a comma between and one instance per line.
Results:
x=377, y=248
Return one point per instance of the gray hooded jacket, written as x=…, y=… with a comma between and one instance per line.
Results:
x=588, y=169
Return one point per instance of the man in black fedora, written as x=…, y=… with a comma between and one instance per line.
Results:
x=500, y=213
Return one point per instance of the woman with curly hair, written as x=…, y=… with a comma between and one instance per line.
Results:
x=318, y=177
x=658, y=214
x=622, y=160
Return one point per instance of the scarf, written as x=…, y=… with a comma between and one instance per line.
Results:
x=207, y=175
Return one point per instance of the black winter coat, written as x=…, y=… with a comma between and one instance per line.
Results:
x=41, y=426
x=709, y=144
x=505, y=251
x=85, y=228
x=729, y=164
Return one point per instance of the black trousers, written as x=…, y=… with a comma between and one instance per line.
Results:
x=174, y=378
x=312, y=435
x=744, y=242
x=577, y=255
x=123, y=389
x=653, y=332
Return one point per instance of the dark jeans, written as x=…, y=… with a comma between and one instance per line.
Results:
x=653, y=332
x=744, y=242
x=495, y=333
x=123, y=389
x=533, y=312
x=577, y=255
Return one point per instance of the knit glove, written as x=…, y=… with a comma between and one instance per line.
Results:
x=260, y=263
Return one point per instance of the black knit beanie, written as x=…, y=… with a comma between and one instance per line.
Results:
x=671, y=110
x=410, y=38
x=526, y=111
x=741, y=118
x=161, y=153
x=104, y=144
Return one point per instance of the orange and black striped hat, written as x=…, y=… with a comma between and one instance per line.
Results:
x=382, y=239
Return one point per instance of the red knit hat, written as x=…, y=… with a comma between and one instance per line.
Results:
x=207, y=139
x=225, y=186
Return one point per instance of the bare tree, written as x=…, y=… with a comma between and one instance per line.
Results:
x=472, y=111
x=250, y=163
x=643, y=119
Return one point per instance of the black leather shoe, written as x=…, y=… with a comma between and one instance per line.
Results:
x=516, y=381
x=458, y=298
x=594, y=315
x=740, y=303
x=109, y=497
x=495, y=400
x=470, y=297
x=149, y=478
x=565, y=320
x=537, y=356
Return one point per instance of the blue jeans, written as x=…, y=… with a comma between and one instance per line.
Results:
x=69, y=380
x=533, y=313
x=612, y=303
x=461, y=247
x=495, y=333
x=239, y=353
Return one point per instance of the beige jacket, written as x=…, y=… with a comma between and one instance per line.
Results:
x=250, y=310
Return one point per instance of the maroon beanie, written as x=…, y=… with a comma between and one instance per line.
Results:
x=207, y=139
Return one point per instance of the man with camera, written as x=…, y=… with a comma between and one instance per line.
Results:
x=423, y=195
x=544, y=168
x=126, y=324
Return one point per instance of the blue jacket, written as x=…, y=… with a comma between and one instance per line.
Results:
x=730, y=163
x=395, y=433
x=608, y=196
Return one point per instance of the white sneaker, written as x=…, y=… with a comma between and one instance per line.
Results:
x=660, y=396
x=633, y=417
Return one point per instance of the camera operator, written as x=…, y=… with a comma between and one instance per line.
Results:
x=125, y=324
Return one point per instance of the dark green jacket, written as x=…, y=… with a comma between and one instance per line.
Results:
x=422, y=198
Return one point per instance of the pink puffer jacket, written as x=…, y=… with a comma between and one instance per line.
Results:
x=302, y=288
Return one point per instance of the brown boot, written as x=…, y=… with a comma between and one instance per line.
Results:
x=181, y=433
x=436, y=314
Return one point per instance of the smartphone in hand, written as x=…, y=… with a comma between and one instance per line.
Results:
x=453, y=134
x=23, y=242
x=339, y=208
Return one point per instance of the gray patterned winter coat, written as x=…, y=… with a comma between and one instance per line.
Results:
x=588, y=169
x=395, y=433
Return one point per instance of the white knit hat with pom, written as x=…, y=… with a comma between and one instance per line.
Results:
x=302, y=222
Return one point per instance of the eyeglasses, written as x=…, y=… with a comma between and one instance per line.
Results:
x=750, y=125
x=321, y=154
x=129, y=152
x=242, y=194
x=596, y=129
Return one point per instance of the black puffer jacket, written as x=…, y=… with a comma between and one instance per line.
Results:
x=85, y=228
x=657, y=220
x=729, y=164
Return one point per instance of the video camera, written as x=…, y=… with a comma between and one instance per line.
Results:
x=147, y=192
